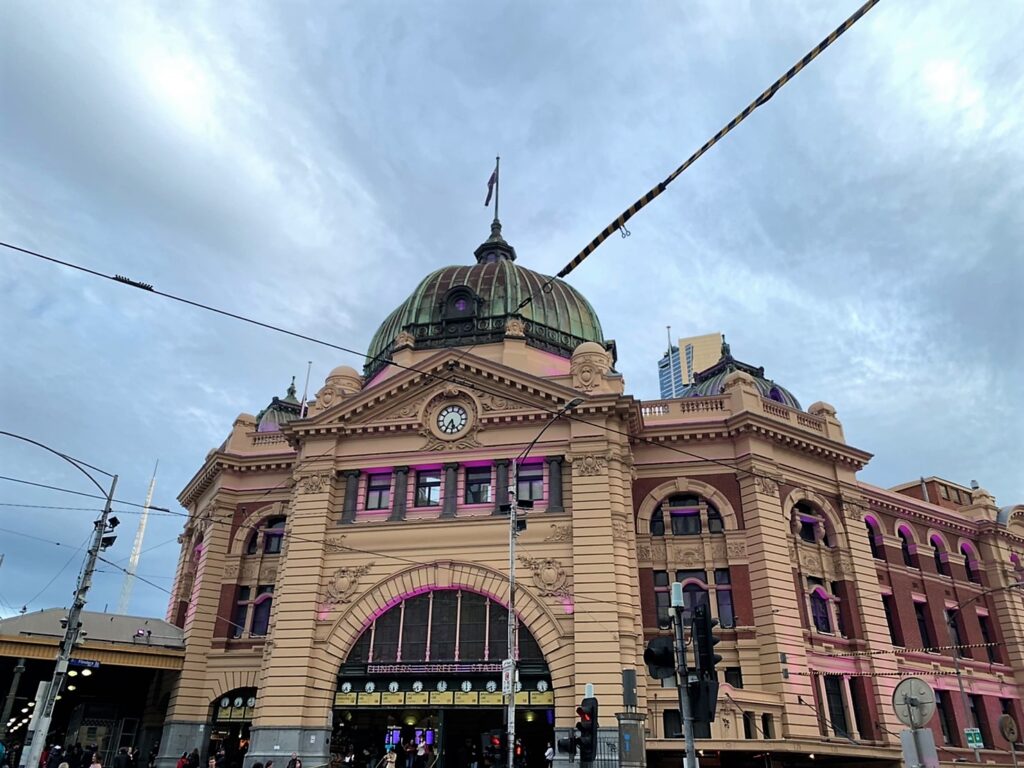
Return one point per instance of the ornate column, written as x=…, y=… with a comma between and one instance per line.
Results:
x=348, y=513
x=500, y=484
x=555, y=483
x=398, y=500
x=451, y=487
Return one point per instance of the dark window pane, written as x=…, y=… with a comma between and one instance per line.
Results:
x=748, y=725
x=890, y=620
x=472, y=627
x=528, y=648
x=428, y=489
x=808, y=531
x=385, y=637
x=237, y=628
x=662, y=601
x=273, y=535
x=726, y=618
x=701, y=729
x=836, y=710
x=715, y=523
x=685, y=523
x=478, y=485
x=734, y=676
x=945, y=717
x=261, y=611
x=443, y=625
x=977, y=706
x=250, y=548
x=658, y=523
x=953, y=623
x=378, y=491
x=661, y=578
x=921, y=614
x=767, y=729
x=701, y=576
x=414, y=628
x=908, y=558
x=531, y=482
x=672, y=724
x=361, y=650
x=877, y=551
x=992, y=651
x=498, y=633
x=820, y=613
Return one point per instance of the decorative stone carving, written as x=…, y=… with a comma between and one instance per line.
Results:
x=404, y=339
x=689, y=557
x=335, y=543
x=268, y=650
x=231, y=570
x=434, y=443
x=314, y=483
x=854, y=510
x=248, y=571
x=643, y=552
x=495, y=403
x=343, y=583
x=590, y=363
x=548, y=574
x=766, y=485
x=621, y=529
x=269, y=576
x=588, y=466
x=737, y=548
x=559, y=533
x=515, y=327
x=718, y=552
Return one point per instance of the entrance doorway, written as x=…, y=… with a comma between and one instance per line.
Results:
x=453, y=737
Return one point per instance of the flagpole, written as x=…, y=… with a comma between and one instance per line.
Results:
x=497, y=185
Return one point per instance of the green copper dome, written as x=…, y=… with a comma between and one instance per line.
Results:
x=466, y=305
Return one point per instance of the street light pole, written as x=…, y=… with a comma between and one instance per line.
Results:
x=951, y=617
x=35, y=740
x=513, y=533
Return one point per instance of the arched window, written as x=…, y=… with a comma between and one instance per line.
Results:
x=442, y=626
x=908, y=556
x=460, y=302
x=273, y=535
x=941, y=566
x=688, y=514
x=810, y=525
x=970, y=564
x=250, y=548
x=821, y=615
x=261, y=610
x=874, y=539
x=695, y=591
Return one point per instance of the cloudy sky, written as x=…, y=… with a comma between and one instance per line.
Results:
x=306, y=163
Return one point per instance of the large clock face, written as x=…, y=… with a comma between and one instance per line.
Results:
x=452, y=419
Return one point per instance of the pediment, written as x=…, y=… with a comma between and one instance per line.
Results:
x=404, y=399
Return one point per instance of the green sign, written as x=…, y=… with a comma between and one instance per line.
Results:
x=974, y=738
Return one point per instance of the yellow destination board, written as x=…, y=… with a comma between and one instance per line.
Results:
x=369, y=699
x=546, y=697
x=391, y=699
x=466, y=698
x=413, y=699
x=437, y=697
x=344, y=699
x=491, y=699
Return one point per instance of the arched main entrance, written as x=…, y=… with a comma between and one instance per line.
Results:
x=426, y=672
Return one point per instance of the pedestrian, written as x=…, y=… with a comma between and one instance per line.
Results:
x=390, y=758
x=549, y=755
x=122, y=759
x=193, y=758
x=182, y=761
x=295, y=762
x=269, y=764
x=95, y=761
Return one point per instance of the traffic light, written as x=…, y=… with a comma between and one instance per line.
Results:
x=704, y=642
x=494, y=747
x=569, y=745
x=703, y=700
x=587, y=726
x=660, y=657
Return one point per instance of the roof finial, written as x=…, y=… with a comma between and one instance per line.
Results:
x=291, y=389
x=494, y=188
x=726, y=352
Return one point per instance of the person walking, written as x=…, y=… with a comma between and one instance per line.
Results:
x=549, y=755
x=122, y=759
x=295, y=762
x=95, y=761
x=193, y=758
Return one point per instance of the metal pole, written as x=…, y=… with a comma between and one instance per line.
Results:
x=35, y=740
x=512, y=515
x=682, y=676
x=9, y=704
x=950, y=618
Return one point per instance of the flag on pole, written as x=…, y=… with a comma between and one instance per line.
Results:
x=490, y=186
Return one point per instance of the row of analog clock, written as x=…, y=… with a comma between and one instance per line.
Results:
x=226, y=702
x=491, y=686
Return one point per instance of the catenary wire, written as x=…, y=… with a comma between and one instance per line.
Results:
x=619, y=224
x=81, y=493
x=58, y=573
x=170, y=513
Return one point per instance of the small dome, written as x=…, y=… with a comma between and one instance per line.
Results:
x=473, y=304
x=589, y=347
x=710, y=382
x=343, y=372
x=280, y=411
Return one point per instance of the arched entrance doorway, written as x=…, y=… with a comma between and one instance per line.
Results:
x=229, y=726
x=424, y=678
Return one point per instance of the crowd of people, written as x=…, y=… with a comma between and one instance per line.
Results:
x=79, y=756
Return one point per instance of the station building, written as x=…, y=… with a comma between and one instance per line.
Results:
x=344, y=571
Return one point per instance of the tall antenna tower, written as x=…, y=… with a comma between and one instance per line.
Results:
x=133, y=563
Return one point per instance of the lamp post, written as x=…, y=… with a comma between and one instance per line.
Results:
x=951, y=617
x=509, y=667
x=35, y=739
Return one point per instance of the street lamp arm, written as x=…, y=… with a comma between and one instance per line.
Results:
x=565, y=408
x=76, y=463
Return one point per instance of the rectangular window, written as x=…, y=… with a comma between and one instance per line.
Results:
x=428, y=488
x=890, y=620
x=672, y=724
x=977, y=706
x=723, y=595
x=658, y=523
x=839, y=612
x=945, y=713
x=734, y=677
x=443, y=625
x=472, y=627
x=378, y=491
x=944, y=491
x=1006, y=707
x=662, y=597
x=692, y=597
x=530, y=484
x=956, y=495
x=808, y=531
x=237, y=628
x=767, y=729
x=415, y=617
x=836, y=710
x=261, y=610
x=715, y=524
x=478, y=485
x=685, y=522
x=701, y=729
x=921, y=614
x=748, y=725
x=953, y=622
x=991, y=649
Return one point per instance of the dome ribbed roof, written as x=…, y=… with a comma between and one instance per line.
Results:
x=709, y=382
x=465, y=305
x=280, y=411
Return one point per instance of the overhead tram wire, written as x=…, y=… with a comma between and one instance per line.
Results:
x=81, y=493
x=619, y=224
x=124, y=281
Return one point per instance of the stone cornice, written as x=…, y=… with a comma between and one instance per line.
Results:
x=219, y=462
x=932, y=514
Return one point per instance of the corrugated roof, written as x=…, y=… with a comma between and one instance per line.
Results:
x=98, y=627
